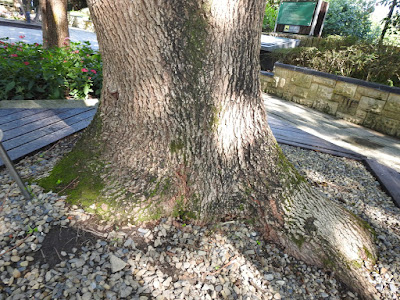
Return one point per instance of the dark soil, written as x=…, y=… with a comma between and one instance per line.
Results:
x=62, y=239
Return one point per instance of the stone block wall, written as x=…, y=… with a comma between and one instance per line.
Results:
x=80, y=22
x=372, y=105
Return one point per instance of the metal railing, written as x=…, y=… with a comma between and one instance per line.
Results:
x=10, y=166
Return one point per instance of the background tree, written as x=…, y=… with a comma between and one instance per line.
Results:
x=182, y=131
x=54, y=23
x=392, y=20
x=349, y=18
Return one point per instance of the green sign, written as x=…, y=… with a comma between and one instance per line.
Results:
x=296, y=13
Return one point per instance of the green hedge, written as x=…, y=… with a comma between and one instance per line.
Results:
x=341, y=56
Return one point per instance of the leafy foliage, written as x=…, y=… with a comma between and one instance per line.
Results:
x=366, y=61
x=350, y=18
x=30, y=72
x=270, y=15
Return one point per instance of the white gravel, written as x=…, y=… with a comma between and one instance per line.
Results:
x=171, y=260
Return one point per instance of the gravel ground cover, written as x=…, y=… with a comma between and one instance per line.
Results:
x=51, y=250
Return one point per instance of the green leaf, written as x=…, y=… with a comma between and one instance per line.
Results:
x=9, y=86
x=30, y=84
x=86, y=89
x=39, y=89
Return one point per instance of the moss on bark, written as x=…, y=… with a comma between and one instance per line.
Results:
x=77, y=175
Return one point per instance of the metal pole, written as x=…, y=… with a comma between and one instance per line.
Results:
x=8, y=163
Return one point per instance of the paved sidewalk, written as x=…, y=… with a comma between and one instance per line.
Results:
x=34, y=34
x=372, y=144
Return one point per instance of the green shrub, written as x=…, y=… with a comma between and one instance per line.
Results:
x=30, y=72
x=270, y=15
x=366, y=61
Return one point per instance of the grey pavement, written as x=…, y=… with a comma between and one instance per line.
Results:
x=34, y=35
x=367, y=142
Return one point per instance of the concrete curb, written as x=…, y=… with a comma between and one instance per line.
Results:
x=20, y=24
x=48, y=103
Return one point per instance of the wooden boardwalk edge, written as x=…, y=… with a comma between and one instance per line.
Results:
x=387, y=177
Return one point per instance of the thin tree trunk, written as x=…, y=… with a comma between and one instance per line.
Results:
x=388, y=21
x=38, y=14
x=54, y=23
x=182, y=130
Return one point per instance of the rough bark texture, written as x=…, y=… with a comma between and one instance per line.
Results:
x=54, y=23
x=183, y=130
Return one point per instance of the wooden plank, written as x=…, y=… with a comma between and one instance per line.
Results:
x=311, y=140
x=387, y=177
x=52, y=117
x=318, y=149
x=306, y=138
x=316, y=144
x=23, y=139
x=288, y=129
x=19, y=115
x=47, y=140
x=9, y=111
x=20, y=122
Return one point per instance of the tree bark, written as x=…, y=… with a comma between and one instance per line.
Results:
x=182, y=130
x=388, y=20
x=54, y=23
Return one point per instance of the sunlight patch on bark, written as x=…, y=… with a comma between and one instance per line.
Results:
x=232, y=122
x=220, y=11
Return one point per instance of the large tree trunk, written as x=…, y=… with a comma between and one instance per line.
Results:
x=54, y=23
x=182, y=128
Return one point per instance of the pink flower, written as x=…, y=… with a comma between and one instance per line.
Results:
x=36, y=44
x=93, y=71
x=14, y=55
x=19, y=49
x=82, y=61
x=84, y=70
x=90, y=78
x=87, y=55
x=76, y=51
x=67, y=38
x=26, y=63
x=21, y=36
x=12, y=44
x=64, y=61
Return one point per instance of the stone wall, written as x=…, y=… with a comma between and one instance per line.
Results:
x=80, y=22
x=369, y=104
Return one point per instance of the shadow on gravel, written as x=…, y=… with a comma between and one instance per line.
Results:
x=60, y=239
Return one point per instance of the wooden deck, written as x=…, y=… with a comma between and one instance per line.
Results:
x=28, y=130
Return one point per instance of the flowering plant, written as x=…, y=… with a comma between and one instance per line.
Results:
x=30, y=72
